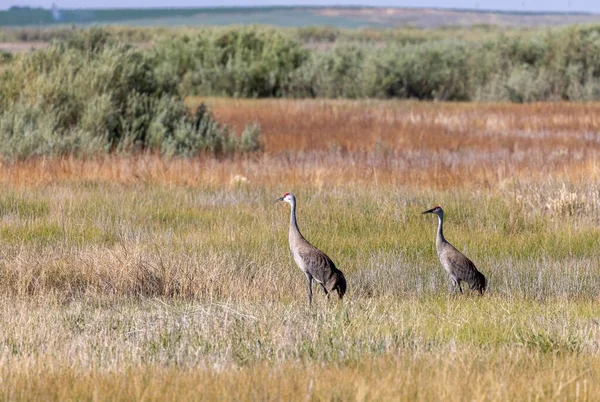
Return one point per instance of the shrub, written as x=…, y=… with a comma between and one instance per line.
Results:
x=95, y=84
x=336, y=73
x=5, y=57
x=91, y=93
x=242, y=62
x=437, y=70
x=200, y=132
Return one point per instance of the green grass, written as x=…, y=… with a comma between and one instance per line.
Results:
x=361, y=230
x=20, y=206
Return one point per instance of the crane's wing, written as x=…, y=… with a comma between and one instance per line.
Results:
x=317, y=263
x=459, y=264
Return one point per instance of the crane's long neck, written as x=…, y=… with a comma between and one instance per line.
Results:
x=439, y=240
x=295, y=234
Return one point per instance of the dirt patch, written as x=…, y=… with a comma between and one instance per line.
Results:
x=19, y=47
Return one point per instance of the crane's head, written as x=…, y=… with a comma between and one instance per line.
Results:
x=287, y=197
x=435, y=210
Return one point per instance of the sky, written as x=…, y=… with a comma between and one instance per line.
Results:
x=518, y=5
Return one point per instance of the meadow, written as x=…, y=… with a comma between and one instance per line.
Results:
x=137, y=276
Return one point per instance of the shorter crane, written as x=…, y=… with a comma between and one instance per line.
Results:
x=459, y=267
x=313, y=262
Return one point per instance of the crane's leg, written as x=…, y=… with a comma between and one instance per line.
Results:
x=309, y=280
x=459, y=287
x=455, y=285
x=325, y=290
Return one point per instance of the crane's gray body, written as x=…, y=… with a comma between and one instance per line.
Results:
x=458, y=266
x=313, y=262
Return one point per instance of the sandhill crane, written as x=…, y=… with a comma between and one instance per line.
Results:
x=313, y=262
x=459, y=267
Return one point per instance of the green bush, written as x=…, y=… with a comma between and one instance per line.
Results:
x=200, y=132
x=436, y=70
x=5, y=57
x=337, y=73
x=242, y=62
x=549, y=64
x=91, y=93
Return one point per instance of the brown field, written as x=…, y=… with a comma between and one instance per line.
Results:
x=436, y=145
x=337, y=142
x=144, y=278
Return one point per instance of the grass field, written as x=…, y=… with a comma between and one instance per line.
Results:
x=153, y=279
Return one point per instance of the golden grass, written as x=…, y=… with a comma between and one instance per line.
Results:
x=153, y=279
x=423, y=378
x=304, y=125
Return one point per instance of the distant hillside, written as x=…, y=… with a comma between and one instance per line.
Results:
x=435, y=18
x=343, y=17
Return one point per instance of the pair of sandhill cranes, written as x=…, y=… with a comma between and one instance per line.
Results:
x=318, y=266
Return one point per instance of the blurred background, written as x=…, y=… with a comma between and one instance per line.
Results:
x=350, y=13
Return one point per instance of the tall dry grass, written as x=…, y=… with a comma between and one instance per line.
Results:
x=422, y=144
x=306, y=125
x=333, y=143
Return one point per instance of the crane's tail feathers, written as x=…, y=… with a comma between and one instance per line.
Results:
x=341, y=285
x=482, y=285
x=479, y=283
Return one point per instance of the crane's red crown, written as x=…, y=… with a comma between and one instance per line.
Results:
x=286, y=194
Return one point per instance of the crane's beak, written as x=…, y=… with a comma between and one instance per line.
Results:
x=429, y=211
x=278, y=200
